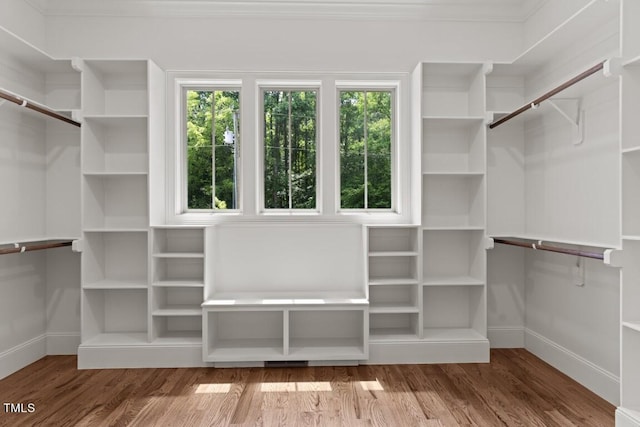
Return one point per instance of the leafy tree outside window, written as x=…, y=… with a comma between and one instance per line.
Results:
x=289, y=138
x=212, y=149
x=366, y=123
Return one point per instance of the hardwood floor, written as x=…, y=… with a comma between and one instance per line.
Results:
x=515, y=389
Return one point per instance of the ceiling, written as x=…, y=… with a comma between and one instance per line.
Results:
x=428, y=10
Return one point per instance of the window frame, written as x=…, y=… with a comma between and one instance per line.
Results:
x=287, y=85
x=183, y=170
x=392, y=86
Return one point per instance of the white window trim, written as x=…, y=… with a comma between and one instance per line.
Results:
x=362, y=85
x=181, y=190
x=288, y=85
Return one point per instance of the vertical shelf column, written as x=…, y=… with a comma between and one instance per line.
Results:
x=115, y=211
x=394, y=291
x=453, y=281
x=177, y=284
x=628, y=413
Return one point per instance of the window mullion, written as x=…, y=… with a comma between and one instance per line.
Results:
x=213, y=149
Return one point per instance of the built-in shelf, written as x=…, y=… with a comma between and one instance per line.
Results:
x=632, y=325
x=179, y=283
x=116, y=339
x=632, y=62
x=631, y=150
x=393, y=281
x=379, y=308
x=180, y=338
x=178, y=310
x=453, y=228
x=179, y=255
x=452, y=281
x=326, y=349
x=393, y=253
x=452, y=334
x=630, y=237
x=117, y=284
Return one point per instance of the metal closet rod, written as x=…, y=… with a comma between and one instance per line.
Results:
x=549, y=94
x=35, y=246
x=35, y=107
x=541, y=247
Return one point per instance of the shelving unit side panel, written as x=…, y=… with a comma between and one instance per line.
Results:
x=630, y=93
x=156, y=144
x=630, y=370
x=92, y=90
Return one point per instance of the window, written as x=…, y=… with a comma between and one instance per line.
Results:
x=212, y=148
x=366, y=149
x=289, y=137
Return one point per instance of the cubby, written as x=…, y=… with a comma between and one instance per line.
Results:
x=394, y=326
x=390, y=241
x=178, y=240
x=115, y=260
x=115, y=202
x=244, y=335
x=114, y=317
x=393, y=299
x=454, y=257
x=393, y=270
x=453, y=201
x=454, y=313
x=452, y=90
x=115, y=145
x=178, y=329
x=176, y=301
x=327, y=334
x=630, y=193
x=115, y=88
x=453, y=146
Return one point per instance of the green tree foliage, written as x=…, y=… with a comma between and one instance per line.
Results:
x=365, y=131
x=290, y=149
x=202, y=148
x=290, y=145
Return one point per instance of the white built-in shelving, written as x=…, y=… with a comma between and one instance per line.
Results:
x=393, y=277
x=116, y=301
x=453, y=257
x=259, y=314
x=177, y=283
x=628, y=413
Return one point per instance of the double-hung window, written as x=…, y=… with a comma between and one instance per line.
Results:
x=289, y=136
x=366, y=146
x=211, y=132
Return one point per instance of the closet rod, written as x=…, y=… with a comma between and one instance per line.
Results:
x=35, y=107
x=541, y=247
x=549, y=94
x=35, y=246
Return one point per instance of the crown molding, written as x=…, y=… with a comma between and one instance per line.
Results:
x=423, y=10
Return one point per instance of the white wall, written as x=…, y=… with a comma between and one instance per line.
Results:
x=24, y=19
x=237, y=43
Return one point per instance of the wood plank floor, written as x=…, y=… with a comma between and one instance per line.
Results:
x=515, y=389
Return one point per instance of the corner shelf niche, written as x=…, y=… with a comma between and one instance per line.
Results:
x=115, y=88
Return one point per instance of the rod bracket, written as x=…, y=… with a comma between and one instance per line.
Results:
x=613, y=257
x=489, y=243
x=577, y=123
x=612, y=67
x=77, y=246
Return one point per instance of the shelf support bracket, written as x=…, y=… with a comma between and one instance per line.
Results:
x=77, y=246
x=577, y=124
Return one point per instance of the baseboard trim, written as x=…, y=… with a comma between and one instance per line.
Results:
x=418, y=352
x=600, y=381
x=143, y=356
x=22, y=355
x=508, y=337
x=627, y=418
x=62, y=343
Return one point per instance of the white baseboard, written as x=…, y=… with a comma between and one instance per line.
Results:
x=24, y=354
x=418, y=352
x=140, y=356
x=62, y=343
x=508, y=337
x=627, y=418
x=600, y=381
